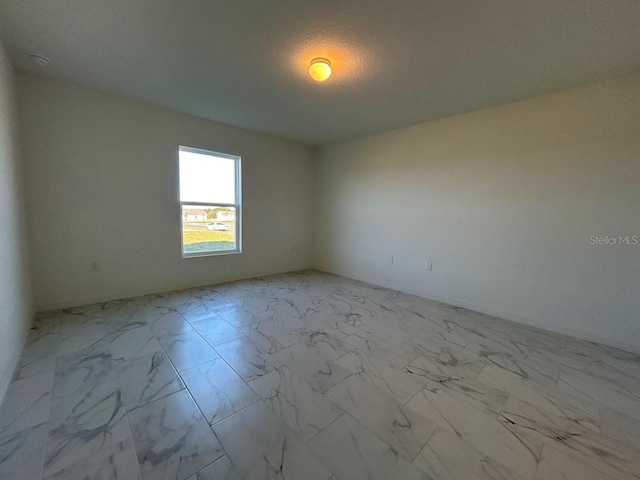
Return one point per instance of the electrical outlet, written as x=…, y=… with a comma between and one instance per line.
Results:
x=390, y=260
x=94, y=266
x=429, y=266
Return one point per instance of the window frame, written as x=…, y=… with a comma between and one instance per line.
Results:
x=238, y=205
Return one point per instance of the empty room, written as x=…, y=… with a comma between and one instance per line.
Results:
x=319, y=240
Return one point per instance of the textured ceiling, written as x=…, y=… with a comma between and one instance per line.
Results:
x=396, y=63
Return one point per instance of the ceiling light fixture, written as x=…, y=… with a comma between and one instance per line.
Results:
x=39, y=60
x=320, y=69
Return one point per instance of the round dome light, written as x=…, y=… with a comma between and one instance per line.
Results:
x=320, y=69
x=39, y=60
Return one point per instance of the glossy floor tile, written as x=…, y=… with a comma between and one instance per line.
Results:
x=27, y=403
x=172, y=438
x=188, y=350
x=353, y=452
x=245, y=358
x=403, y=428
x=304, y=410
x=313, y=376
x=82, y=426
x=447, y=456
x=21, y=453
x=218, y=390
x=221, y=469
x=215, y=330
x=117, y=461
x=261, y=446
x=145, y=379
x=311, y=365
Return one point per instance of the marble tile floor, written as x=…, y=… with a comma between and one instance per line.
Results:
x=313, y=376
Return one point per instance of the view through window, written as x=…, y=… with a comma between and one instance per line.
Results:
x=210, y=202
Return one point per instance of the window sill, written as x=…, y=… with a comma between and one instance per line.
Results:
x=211, y=254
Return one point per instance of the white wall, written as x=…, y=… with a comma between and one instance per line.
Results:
x=15, y=295
x=503, y=201
x=102, y=185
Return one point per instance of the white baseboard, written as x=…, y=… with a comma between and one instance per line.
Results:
x=488, y=311
x=81, y=302
x=353, y=275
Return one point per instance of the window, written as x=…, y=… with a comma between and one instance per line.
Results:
x=209, y=202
